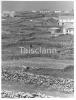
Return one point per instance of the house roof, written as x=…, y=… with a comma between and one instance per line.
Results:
x=66, y=17
x=69, y=25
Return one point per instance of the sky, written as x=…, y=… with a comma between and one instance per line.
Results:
x=36, y=5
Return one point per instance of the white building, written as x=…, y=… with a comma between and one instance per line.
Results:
x=55, y=31
x=57, y=11
x=44, y=11
x=34, y=11
x=66, y=19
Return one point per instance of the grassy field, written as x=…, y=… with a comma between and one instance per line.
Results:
x=38, y=62
x=21, y=32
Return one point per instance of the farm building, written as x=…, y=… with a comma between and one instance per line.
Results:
x=55, y=31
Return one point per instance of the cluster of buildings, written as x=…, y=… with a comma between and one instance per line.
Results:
x=65, y=26
x=65, y=23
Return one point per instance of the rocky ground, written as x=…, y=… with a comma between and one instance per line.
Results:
x=59, y=84
x=11, y=94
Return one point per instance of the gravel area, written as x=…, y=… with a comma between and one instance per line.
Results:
x=12, y=94
x=60, y=84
